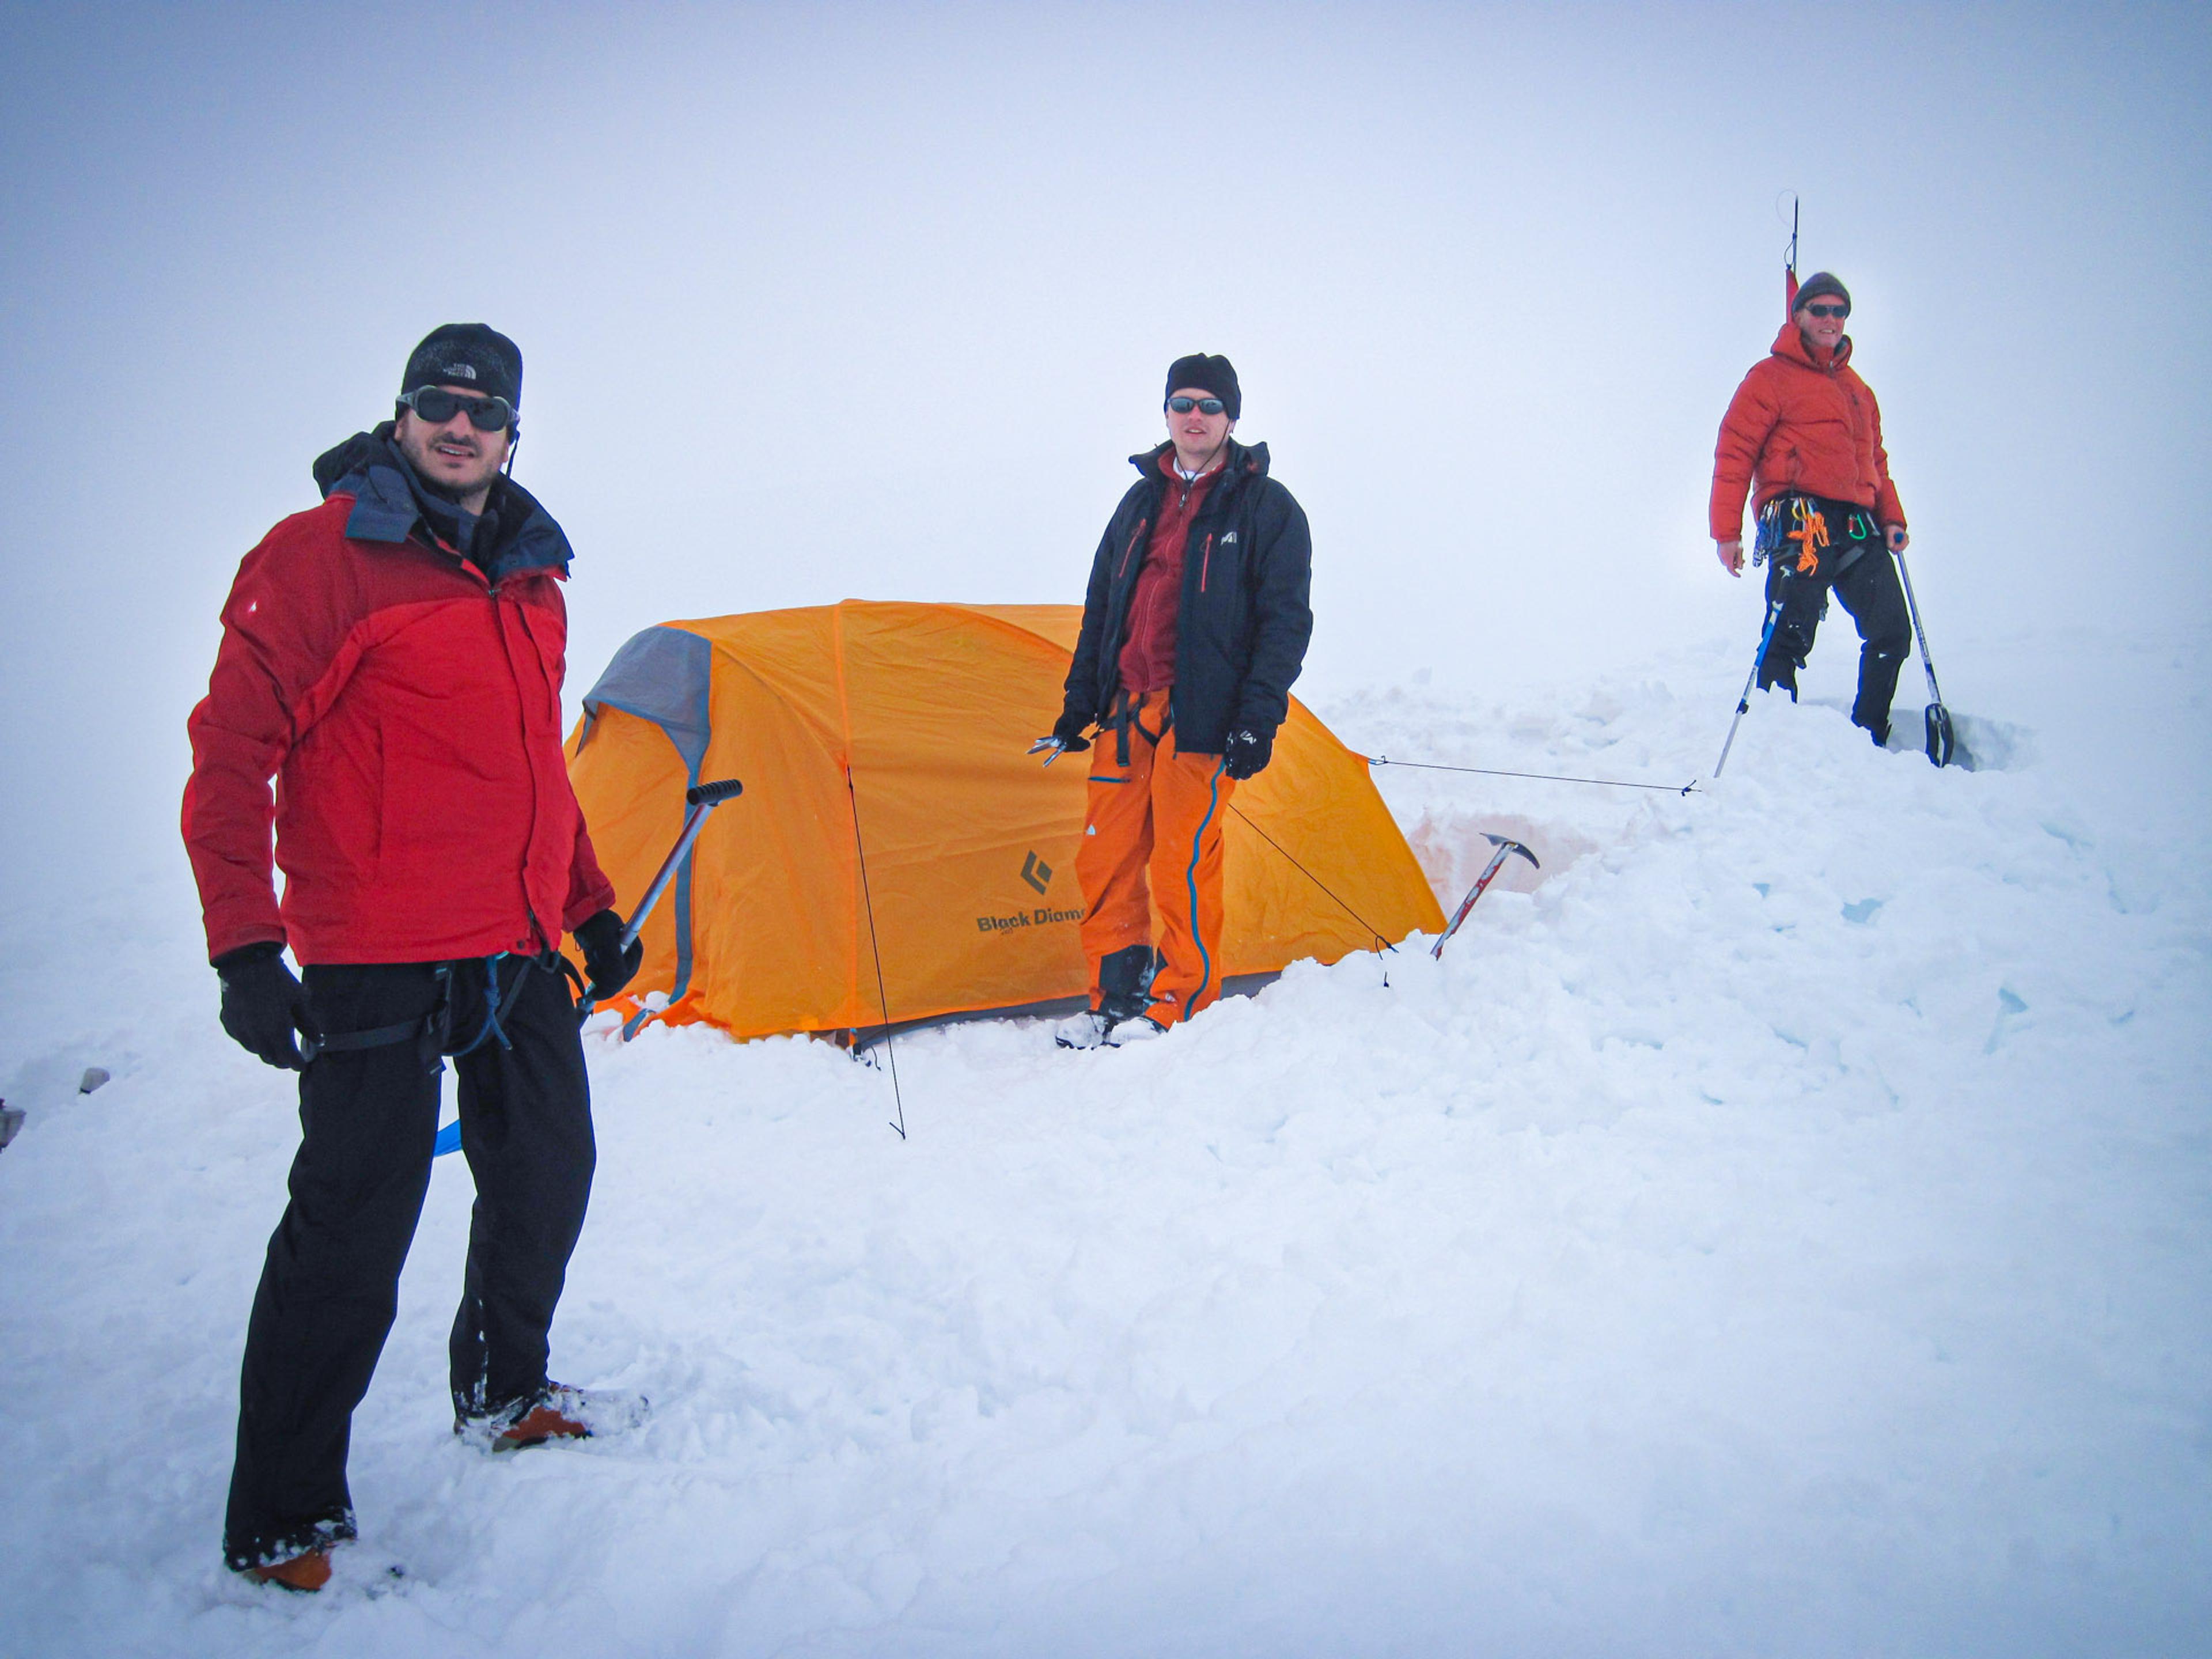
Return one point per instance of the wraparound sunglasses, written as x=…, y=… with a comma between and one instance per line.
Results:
x=437, y=405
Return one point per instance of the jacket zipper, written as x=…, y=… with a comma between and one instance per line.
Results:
x=1204, y=561
x=1134, y=539
x=502, y=607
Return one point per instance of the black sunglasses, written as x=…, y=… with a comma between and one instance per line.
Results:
x=1827, y=310
x=437, y=405
x=1203, y=405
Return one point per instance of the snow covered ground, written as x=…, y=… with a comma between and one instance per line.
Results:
x=1784, y=1228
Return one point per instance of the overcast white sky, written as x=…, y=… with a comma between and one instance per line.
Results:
x=871, y=301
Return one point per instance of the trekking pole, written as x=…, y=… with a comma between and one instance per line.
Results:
x=701, y=799
x=1941, y=745
x=1743, y=702
x=1504, y=846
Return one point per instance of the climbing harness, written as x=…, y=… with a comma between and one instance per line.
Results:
x=1123, y=715
x=432, y=1032
x=1811, y=535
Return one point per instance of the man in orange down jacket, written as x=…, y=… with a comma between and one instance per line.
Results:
x=393, y=658
x=1194, y=625
x=1804, y=433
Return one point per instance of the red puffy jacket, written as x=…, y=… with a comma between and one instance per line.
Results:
x=411, y=712
x=1795, y=424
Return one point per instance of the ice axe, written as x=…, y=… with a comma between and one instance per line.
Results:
x=1490, y=870
x=1941, y=745
x=701, y=799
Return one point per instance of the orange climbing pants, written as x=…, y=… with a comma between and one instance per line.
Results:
x=1153, y=832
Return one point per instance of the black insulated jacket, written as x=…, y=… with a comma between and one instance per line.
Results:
x=1245, y=615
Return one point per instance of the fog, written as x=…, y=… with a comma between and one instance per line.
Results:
x=857, y=300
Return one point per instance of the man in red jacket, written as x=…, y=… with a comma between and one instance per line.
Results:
x=393, y=658
x=1805, y=431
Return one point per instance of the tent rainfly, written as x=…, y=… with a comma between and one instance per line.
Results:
x=891, y=816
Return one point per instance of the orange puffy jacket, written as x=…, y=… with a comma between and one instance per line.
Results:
x=1798, y=425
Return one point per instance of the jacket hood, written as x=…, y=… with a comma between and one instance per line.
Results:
x=1790, y=345
x=1245, y=460
x=390, y=502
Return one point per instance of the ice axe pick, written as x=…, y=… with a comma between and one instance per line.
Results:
x=1505, y=845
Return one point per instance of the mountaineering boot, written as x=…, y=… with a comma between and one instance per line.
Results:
x=557, y=1412
x=306, y=1573
x=1125, y=980
x=1143, y=1029
x=1087, y=1029
x=1878, y=669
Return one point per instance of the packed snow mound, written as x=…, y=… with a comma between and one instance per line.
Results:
x=1778, y=1226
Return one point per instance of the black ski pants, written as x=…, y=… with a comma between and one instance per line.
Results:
x=329, y=1285
x=1864, y=576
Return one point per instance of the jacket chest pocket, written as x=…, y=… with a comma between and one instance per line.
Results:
x=1222, y=604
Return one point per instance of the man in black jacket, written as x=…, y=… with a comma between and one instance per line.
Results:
x=1194, y=625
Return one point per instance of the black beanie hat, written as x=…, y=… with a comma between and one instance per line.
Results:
x=1814, y=286
x=466, y=354
x=1214, y=374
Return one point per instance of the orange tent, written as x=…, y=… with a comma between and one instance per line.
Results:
x=881, y=747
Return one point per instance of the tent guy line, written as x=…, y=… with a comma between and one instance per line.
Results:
x=876, y=951
x=1317, y=882
x=1691, y=787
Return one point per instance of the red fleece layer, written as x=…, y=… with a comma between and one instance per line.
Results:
x=1148, y=659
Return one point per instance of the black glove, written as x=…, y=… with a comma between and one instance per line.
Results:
x=1245, y=753
x=263, y=1004
x=1069, y=733
x=606, y=964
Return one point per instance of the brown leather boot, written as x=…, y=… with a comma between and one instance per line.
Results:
x=541, y=1423
x=557, y=1412
x=306, y=1573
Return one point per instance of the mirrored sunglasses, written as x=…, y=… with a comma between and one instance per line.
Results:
x=1203, y=405
x=437, y=405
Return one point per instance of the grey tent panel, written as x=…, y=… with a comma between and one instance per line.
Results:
x=661, y=674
